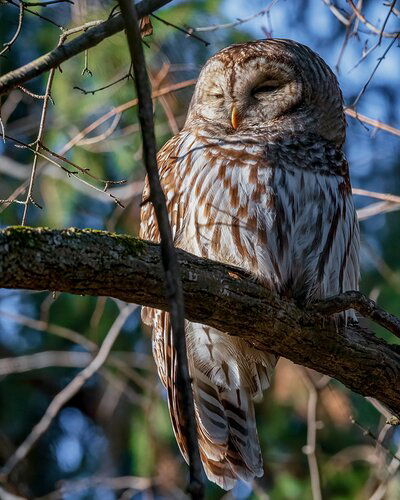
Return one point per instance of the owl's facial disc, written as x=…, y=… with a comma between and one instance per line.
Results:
x=239, y=96
x=268, y=86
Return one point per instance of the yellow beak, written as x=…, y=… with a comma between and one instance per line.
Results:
x=234, y=117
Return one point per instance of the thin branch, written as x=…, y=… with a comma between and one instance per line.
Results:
x=382, y=207
x=189, y=33
x=46, y=3
x=379, y=196
x=44, y=18
x=371, y=121
x=361, y=303
x=83, y=133
x=93, y=91
x=380, y=59
x=66, y=394
x=70, y=173
x=223, y=297
x=369, y=25
x=8, y=45
x=216, y=27
x=29, y=197
x=90, y=38
x=337, y=13
x=377, y=44
x=169, y=258
x=312, y=426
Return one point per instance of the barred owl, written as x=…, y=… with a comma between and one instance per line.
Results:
x=256, y=178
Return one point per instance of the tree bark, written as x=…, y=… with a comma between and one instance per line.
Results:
x=89, y=262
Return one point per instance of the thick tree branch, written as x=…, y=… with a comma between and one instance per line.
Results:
x=90, y=38
x=98, y=263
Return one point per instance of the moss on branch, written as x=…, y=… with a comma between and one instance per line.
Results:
x=91, y=262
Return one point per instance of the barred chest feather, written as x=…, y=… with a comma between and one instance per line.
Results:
x=282, y=209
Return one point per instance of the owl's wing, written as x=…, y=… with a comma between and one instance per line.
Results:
x=159, y=320
x=225, y=416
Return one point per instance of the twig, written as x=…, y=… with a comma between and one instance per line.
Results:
x=377, y=44
x=361, y=303
x=369, y=25
x=379, y=196
x=381, y=207
x=83, y=133
x=32, y=94
x=366, y=432
x=29, y=197
x=371, y=121
x=336, y=12
x=189, y=33
x=310, y=448
x=72, y=173
x=169, y=258
x=216, y=27
x=380, y=59
x=90, y=38
x=66, y=394
x=8, y=45
x=125, y=77
x=103, y=136
x=86, y=66
x=392, y=469
x=44, y=18
x=46, y=3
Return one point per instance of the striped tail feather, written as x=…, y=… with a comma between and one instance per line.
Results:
x=225, y=415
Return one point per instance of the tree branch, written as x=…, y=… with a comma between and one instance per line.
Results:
x=168, y=254
x=97, y=263
x=90, y=38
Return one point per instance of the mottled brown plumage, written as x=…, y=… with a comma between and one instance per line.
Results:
x=256, y=178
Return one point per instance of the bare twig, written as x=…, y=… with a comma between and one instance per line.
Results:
x=44, y=18
x=29, y=197
x=392, y=469
x=380, y=59
x=312, y=426
x=371, y=121
x=93, y=91
x=381, y=207
x=90, y=38
x=169, y=259
x=71, y=173
x=189, y=33
x=369, y=25
x=379, y=196
x=83, y=133
x=66, y=394
x=337, y=13
x=216, y=27
x=46, y=3
x=377, y=44
x=8, y=45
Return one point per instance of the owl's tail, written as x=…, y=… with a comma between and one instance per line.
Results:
x=224, y=395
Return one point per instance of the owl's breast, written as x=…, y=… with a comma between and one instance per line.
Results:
x=284, y=222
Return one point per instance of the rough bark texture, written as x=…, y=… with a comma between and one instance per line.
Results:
x=89, y=262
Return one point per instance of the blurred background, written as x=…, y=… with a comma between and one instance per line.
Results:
x=113, y=438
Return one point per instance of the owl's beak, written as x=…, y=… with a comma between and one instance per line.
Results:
x=234, y=117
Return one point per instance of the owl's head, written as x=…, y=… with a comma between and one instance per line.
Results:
x=269, y=85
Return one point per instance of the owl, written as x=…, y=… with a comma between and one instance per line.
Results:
x=257, y=178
